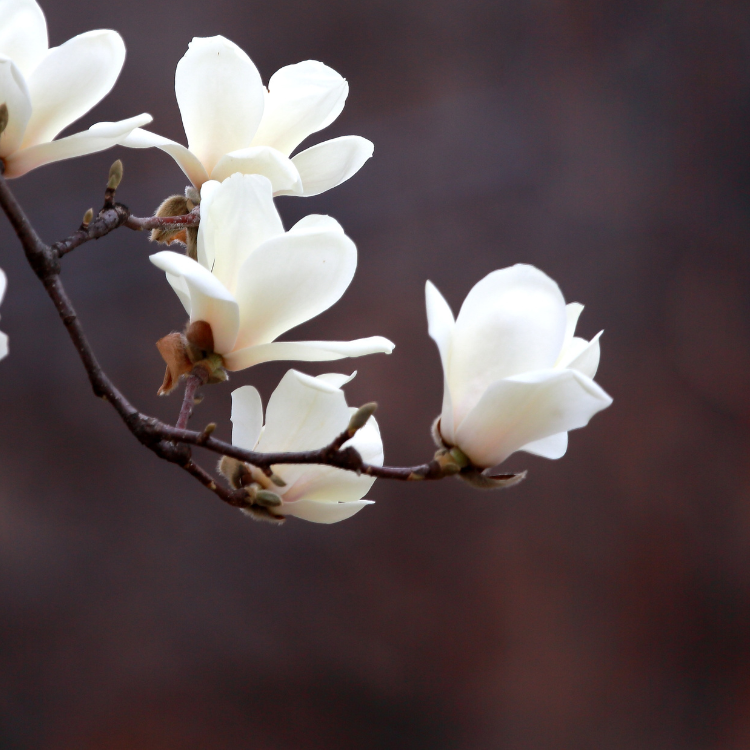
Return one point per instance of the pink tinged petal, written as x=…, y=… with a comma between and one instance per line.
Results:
x=553, y=447
x=70, y=80
x=511, y=322
x=306, y=351
x=209, y=300
x=247, y=417
x=317, y=512
x=238, y=216
x=302, y=99
x=23, y=33
x=186, y=160
x=220, y=96
x=15, y=95
x=261, y=160
x=98, y=137
x=330, y=163
x=582, y=355
x=527, y=408
x=290, y=279
x=440, y=326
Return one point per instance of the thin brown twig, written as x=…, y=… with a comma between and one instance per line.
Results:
x=170, y=443
x=198, y=377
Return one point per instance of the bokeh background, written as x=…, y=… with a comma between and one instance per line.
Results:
x=604, y=603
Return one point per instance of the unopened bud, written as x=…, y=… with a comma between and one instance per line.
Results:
x=115, y=176
x=3, y=117
x=360, y=417
x=277, y=480
x=267, y=499
x=459, y=457
x=235, y=471
x=88, y=217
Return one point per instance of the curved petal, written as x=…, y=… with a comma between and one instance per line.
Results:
x=15, y=95
x=180, y=288
x=98, y=137
x=186, y=160
x=573, y=311
x=582, y=355
x=3, y=344
x=368, y=442
x=317, y=222
x=247, y=417
x=303, y=413
x=513, y=321
x=526, y=408
x=209, y=300
x=317, y=512
x=261, y=160
x=306, y=351
x=23, y=33
x=335, y=379
x=440, y=326
x=330, y=163
x=220, y=96
x=70, y=80
x=302, y=99
x=290, y=279
x=553, y=447
x=4, y=286
x=238, y=216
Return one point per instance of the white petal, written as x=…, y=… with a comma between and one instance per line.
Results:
x=440, y=326
x=303, y=413
x=4, y=285
x=3, y=337
x=368, y=442
x=209, y=300
x=247, y=417
x=23, y=33
x=553, y=446
x=181, y=290
x=512, y=321
x=262, y=160
x=186, y=160
x=70, y=80
x=309, y=510
x=306, y=351
x=3, y=345
x=317, y=223
x=526, y=408
x=290, y=279
x=323, y=484
x=302, y=99
x=582, y=355
x=335, y=379
x=330, y=163
x=15, y=94
x=573, y=311
x=238, y=216
x=98, y=137
x=220, y=96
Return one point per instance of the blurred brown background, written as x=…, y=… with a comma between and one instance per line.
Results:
x=604, y=603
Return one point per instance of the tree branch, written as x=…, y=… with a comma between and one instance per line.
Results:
x=170, y=443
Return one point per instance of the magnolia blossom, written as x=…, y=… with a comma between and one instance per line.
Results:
x=3, y=336
x=516, y=378
x=253, y=281
x=306, y=413
x=233, y=124
x=45, y=90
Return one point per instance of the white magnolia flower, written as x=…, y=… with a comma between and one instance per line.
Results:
x=306, y=413
x=233, y=124
x=263, y=281
x=45, y=90
x=3, y=336
x=516, y=378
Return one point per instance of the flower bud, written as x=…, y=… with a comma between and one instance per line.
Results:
x=267, y=499
x=88, y=217
x=115, y=175
x=481, y=481
x=359, y=418
x=234, y=471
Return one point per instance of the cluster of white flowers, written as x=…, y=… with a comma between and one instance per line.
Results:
x=516, y=377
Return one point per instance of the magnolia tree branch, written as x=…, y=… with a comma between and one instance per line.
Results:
x=170, y=443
